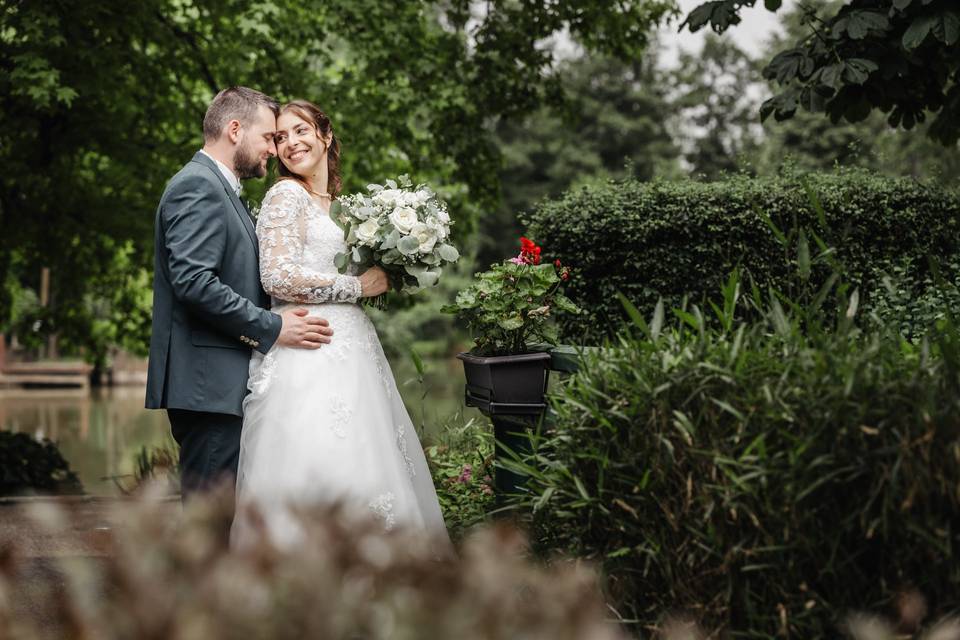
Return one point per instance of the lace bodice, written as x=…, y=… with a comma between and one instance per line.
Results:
x=298, y=242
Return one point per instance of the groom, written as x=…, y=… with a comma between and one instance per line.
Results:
x=209, y=309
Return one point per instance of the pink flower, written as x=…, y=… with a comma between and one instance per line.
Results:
x=518, y=260
x=466, y=474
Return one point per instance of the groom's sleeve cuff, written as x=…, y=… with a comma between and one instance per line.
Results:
x=270, y=336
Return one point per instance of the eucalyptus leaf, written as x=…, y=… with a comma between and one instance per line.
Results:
x=448, y=252
x=408, y=245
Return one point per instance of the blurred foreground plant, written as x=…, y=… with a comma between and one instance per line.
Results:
x=349, y=579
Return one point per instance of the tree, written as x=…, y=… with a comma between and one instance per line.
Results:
x=811, y=140
x=712, y=91
x=899, y=56
x=608, y=122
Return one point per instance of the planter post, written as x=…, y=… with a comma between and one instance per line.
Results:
x=508, y=389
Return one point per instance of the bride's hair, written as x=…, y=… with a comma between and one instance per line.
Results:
x=312, y=113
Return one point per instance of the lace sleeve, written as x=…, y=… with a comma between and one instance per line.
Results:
x=281, y=230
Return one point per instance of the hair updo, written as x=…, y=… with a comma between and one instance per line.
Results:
x=312, y=113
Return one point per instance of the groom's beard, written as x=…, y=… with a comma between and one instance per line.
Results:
x=247, y=165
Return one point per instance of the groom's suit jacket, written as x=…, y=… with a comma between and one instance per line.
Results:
x=209, y=308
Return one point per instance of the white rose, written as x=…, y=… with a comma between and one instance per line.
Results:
x=443, y=216
x=438, y=227
x=386, y=196
x=403, y=218
x=409, y=199
x=367, y=231
x=422, y=196
x=425, y=235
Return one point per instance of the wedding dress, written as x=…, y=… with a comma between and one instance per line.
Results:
x=326, y=425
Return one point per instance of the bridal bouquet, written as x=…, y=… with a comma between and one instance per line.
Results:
x=402, y=229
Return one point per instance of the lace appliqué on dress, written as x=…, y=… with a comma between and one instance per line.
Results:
x=402, y=446
x=340, y=412
x=260, y=382
x=297, y=251
x=339, y=348
x=382, y=505
x=371, y=346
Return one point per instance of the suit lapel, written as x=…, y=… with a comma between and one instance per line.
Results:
x=241, y=210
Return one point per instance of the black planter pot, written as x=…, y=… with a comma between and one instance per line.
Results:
x=506, y=385
x=510, y=390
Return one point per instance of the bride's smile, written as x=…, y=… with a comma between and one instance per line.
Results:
x=299, y=145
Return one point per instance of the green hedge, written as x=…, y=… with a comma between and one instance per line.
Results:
x=672, y=239
x=757, y=477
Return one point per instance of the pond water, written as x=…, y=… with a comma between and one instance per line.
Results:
x=100, y=432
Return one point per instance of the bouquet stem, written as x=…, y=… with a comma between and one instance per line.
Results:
x=377, y=302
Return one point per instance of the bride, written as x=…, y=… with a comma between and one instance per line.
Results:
x=327, y=425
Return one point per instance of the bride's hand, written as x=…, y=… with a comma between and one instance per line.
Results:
x=373, y=282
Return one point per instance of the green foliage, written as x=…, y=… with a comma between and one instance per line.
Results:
x=678, y=239
x=510, y=305
x=762, y=478
x=899, y=56
x=99, y=106
x=609, y=120
x=911, y=307
x=461, y=464
x=28, y=467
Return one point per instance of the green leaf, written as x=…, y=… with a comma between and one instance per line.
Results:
x=390, y=241
x=448, y=252
x=511, y=323
x=860, y=23
x=853, y=305
x=777, y=233
x=832, y=75
x=429, y=278
x=772, y=5
x=392, y=257
x=858, y=70
x=565, y=304
x=699, y=17
x=417, y=362
x=408, y=245
x=918, y=31
x=656, y=324
x=341, y=260
x=947, y=28
x=634, y=313
x=785, y=65
x=803, y=256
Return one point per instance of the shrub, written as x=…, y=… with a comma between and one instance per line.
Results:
x=759, y=479
x=674, y=239
x=911, y=306
x=28, y=466
x=461, y=465
x=347, y=580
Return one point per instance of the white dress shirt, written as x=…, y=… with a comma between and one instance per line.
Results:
x=232, y=179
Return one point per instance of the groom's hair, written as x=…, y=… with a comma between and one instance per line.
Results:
x=235, y=103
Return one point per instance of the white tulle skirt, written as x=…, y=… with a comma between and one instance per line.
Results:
x=329, y=426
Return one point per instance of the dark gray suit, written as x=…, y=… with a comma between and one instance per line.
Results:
x=209, y=310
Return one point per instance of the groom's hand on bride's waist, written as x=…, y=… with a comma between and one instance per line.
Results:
x=303, y=331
